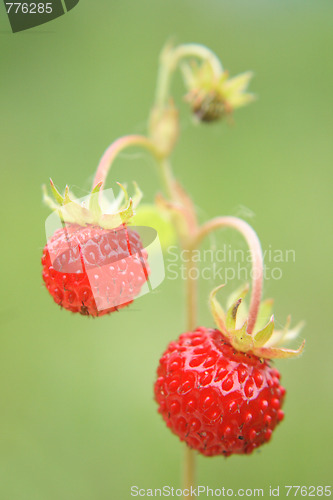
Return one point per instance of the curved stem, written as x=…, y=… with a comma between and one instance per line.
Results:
x=200, y=51
x=118, y=146
x=171, y=57
x=257, y=259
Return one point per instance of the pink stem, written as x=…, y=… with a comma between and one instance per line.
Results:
x=115, y=148
x=257, y=259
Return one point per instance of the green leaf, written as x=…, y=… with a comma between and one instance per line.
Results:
x=153, y=216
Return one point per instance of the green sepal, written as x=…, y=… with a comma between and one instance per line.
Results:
x=94, y=206
x=73, y=212
x=70, y=210
x=213, y=97
x=264, y=313
x=67, y=199
x=217, y=311
x=137, y=197
x=285, y=335
x=239, y=293
x=47, y=200
x=265, y=342
x=278, y=352
x=230, y=320
x=240, y=339
x=57, y=196
x=265, y=334
x=233, y=298
x=123, y=188
x=293, y=333
x=239, y=83
x=111, y=221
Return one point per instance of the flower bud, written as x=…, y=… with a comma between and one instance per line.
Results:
x=213, y=97
x=164, y=128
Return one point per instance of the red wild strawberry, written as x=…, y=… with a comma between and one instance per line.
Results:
x=89, y=266
x=218, y=398
x=94, y=271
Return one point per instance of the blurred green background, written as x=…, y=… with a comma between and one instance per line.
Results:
x=77, y=418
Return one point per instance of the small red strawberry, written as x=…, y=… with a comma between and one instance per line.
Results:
x=217, y=389
x=94, y=264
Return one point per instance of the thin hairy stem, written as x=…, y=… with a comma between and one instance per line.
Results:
x=116, y=147
x=167, y=177
x=192, y=292
x=171, y=57
x=189, y=470
x=187, y=214
x=256, y=253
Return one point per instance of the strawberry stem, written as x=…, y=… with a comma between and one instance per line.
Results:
x=189, y=470
x=256, y=253
x=116, y=147
x=169, y=60
x=164, y=125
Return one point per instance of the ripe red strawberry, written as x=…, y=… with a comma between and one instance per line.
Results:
x=216, y=389
x=218, y=400
x=94, y=264
x=94, y=271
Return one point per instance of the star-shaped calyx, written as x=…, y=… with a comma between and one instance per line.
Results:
x=210, y=96
x=89, y=211
x=264, y=341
